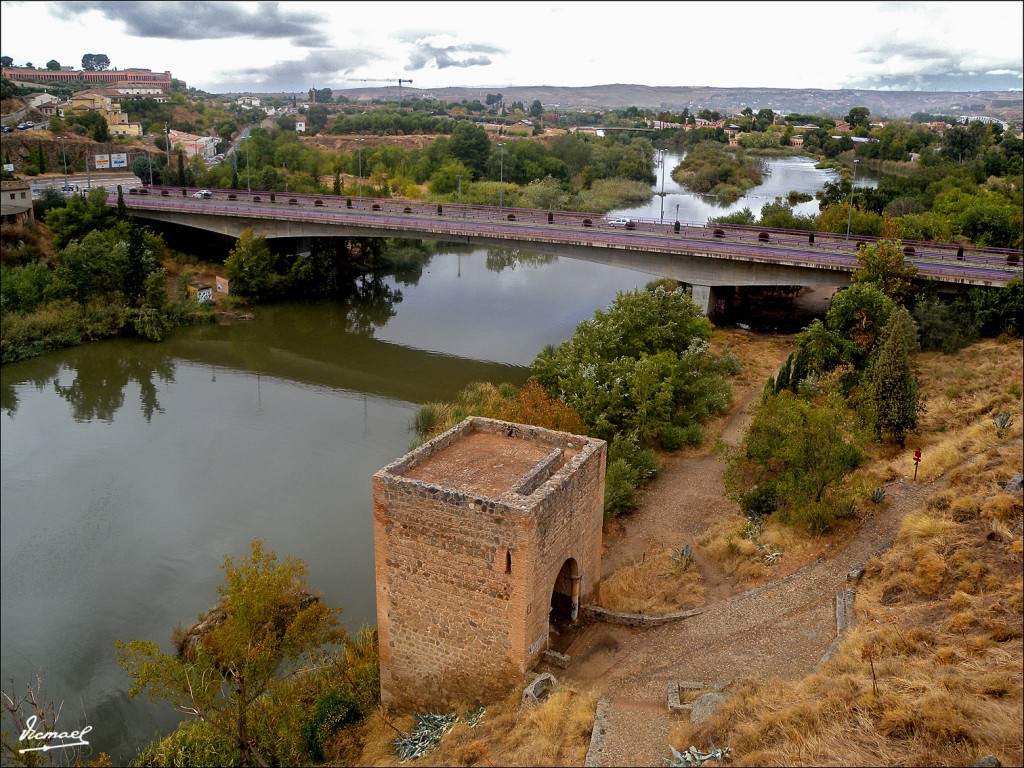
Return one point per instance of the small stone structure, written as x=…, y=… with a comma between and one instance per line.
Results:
x=482, y=537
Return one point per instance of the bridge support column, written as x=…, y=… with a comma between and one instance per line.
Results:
x=704, y=297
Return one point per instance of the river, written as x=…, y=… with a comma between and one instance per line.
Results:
x=128, y=470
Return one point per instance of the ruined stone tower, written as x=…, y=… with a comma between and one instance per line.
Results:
x=482, y=536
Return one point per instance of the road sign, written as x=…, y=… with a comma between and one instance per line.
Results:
x=917, y=456
x=101, y=161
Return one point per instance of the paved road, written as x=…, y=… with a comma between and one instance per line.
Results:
x=82, y=181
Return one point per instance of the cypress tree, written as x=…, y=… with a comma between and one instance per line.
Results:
x=892, y=388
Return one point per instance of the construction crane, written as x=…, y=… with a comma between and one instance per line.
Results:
x=383, y=80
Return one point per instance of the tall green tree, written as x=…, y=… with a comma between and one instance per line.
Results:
x=883, y=265
x=891, y=387
x=270, y=619
x=470, y=145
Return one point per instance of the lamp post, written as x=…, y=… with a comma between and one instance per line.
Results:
x=167, y=135
x=359, y=143
x=849, y=217
x=460, y=193
x=501, y=176
x=662, y=152
x=677, y=211
x=248, y=178
x=63, y=151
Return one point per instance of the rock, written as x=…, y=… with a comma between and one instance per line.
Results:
x=1014, y=485
x=988, y=761
x=539, y=689
x=704, y=706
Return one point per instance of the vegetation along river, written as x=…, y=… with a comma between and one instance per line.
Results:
x=129, y=469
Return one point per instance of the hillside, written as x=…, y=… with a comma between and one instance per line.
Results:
x=893, y=104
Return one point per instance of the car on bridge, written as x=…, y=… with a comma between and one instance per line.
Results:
x=203, y=194
x=620, y=222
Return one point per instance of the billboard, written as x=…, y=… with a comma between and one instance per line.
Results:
x=119, y=161
x=102, y=161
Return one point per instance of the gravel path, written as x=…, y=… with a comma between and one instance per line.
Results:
x=780, y=629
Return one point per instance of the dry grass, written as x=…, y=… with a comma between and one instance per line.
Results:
x=931, y=673
x=554, y=732
x=652, y=586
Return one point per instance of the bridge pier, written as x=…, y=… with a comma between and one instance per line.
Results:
x=704, y=297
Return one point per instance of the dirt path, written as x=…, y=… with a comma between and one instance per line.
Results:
x=780, y=629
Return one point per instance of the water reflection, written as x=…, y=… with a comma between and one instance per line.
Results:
x=97, y=389
x=499, y=259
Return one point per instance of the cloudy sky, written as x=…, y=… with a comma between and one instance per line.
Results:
x=293, y=46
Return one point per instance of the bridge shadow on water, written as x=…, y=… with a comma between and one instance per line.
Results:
x=773, y=310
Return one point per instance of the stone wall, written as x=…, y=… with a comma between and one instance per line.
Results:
x=465, y=579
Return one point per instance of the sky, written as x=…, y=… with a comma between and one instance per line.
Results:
x=223, y=47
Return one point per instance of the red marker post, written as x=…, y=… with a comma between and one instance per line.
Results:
x=917, y=460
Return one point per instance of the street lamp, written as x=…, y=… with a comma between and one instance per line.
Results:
x=248, y=183
x=677, y=211
x=849, y=217
x=501, y=175
x=63, y=151
x=167, y=139
x=359, y=143
x=662, y=152
x=460, y=193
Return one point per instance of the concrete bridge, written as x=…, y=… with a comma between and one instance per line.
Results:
x=704, y=256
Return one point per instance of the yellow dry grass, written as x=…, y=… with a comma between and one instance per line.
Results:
x=931, y=672
x=554, y=732
x=652, y=586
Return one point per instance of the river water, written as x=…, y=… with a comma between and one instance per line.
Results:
x=128, y=470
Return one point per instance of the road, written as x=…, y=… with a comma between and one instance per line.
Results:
x=83, y=181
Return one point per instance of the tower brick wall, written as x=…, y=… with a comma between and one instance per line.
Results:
x=473, y=533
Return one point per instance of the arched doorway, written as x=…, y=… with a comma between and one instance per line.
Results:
x=565, y=604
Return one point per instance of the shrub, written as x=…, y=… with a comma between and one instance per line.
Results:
x=332, y=712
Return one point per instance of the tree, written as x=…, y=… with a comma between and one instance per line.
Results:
x=642, y=366
x=6, y=61
x=250, y=265
x=470, y=145
x=883, y=265
x=891, y=379
x=859, y=314
x=536, y=108
x=53, y=65
x=793, y=460
x=858, y=117
x=95, y=62
x=269, y=617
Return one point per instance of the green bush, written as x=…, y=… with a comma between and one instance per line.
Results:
x=642, y=366
x=193, y=743
x=332, y=712
x=629, y=466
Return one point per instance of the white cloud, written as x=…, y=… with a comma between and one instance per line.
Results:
x=297, y=45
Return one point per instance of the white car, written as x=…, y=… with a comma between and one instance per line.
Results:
x=203, y=194
x=620, y=222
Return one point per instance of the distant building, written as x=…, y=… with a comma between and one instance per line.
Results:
x=96, y=100
x=300, y=126
x=16, y=202
x=134, y=77
x=202, y=146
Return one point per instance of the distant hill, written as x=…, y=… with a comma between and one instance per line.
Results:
x=1008, y=105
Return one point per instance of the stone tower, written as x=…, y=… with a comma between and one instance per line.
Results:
x=482, y=537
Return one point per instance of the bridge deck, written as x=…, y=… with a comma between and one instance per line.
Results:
x=708, y=254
